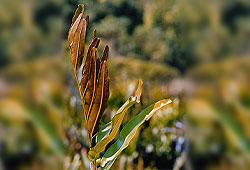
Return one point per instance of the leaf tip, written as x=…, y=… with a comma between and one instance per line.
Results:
x=81, y=6
x=162, y=103
x=139, y=91
x=94, y=34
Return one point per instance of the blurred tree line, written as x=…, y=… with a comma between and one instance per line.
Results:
x=180, y=34
x=196, y=52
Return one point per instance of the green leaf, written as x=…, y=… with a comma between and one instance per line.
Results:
x=128, y=133
x=103, y=132
x=116, y=123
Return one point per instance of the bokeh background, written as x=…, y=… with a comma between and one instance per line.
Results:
x=195, y=52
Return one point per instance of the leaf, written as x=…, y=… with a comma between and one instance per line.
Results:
x=134, y=99
x=80, y=9
x=86, y=69
x=103, y=132
x=128, y=132
x=98, y=62
x=105, y=54
x=76, y=44
x=116, y=123
x=94, y=34
x=81, y=44
x=73, y=29
x=77, y=36
x=90, y=91
x=87, y=20
x=105, y=95
x=96, y=108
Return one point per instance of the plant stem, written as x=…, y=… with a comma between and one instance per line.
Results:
x=94, y=165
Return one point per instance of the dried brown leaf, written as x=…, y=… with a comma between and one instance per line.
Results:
x=98, y=62
x=86, y=69
x=76, y=44
x=73, y=30
x=90, y=91
x=105, y=95
x=105, y=53
x=81, y=44
x=80, y=9
x=96, y=109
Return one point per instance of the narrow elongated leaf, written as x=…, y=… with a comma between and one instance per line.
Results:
x=90, y=91
x=81, y=44
x=105, y=54
x=73, y=29
x=116, y=123
x=98, y=62
x=86, y=69
x=134, y=99
x=76, y=37
x=95, y=111
x=76, y=44
x=87, y=20
x=80, y=9
x=128, y=132
x=105, y=95
x=94, y=35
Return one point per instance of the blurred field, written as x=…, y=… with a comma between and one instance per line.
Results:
x=194, y=52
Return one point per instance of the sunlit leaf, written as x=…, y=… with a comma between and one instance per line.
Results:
x=104, y=130
x=73, y=29
x=77, y=36
x=81, y=44
x=80, y=9
x=128, y=132
x=95, y=111
x=116, y=123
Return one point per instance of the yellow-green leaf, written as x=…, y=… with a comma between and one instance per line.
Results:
x=116, y=123
x=128, y=132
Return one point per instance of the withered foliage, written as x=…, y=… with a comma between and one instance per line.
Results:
x=94, y=85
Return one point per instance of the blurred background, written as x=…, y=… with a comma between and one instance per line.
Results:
x=195, y=52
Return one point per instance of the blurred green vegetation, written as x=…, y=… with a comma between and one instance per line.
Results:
x=194, y=52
